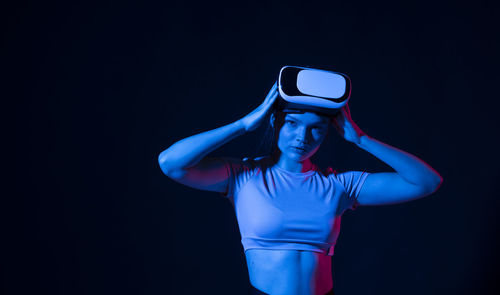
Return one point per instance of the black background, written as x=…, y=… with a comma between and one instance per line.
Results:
x=95, y=91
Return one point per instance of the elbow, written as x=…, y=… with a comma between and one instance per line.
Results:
x=162, y=161
x=169, y=168
x=438, y=182
x=435, y=184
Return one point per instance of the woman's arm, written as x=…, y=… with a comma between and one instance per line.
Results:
x=413, y=178
x=408, y=166
x=188, y=152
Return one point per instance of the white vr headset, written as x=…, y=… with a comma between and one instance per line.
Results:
x=307, y=89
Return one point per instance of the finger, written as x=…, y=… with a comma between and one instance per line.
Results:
x=344, y=112
x=348, y=111
x=272, y=91
x=274, y=87
x=271, y=99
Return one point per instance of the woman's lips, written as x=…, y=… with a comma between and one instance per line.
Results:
x=301, y=150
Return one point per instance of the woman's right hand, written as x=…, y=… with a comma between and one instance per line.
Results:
x=255, y=118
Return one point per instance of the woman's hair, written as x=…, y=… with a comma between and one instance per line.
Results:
x=269, y=142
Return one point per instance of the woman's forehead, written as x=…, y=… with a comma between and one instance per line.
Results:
x=307, y=117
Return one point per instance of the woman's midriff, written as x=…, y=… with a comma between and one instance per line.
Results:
x=289, y=271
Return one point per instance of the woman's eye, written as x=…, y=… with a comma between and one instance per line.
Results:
x=290, y=122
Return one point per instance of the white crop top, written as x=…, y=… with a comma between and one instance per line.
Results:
x=279, y=209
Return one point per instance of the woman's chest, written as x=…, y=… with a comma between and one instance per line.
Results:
x=290, y=195
x=288, y=212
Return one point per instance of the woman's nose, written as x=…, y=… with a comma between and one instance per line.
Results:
x=301, y=135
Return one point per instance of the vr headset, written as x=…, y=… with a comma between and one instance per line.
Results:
x=307, y=89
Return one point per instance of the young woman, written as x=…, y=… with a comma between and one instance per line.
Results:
x=288, y=210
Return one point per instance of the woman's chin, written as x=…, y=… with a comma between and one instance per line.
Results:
x=298, y=155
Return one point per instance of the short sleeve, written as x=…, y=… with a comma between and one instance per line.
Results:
x=239, y=172
x=352, y=181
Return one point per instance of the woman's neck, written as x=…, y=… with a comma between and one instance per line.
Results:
x=291, y=165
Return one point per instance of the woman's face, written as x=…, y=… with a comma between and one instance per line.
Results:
x=302, y=134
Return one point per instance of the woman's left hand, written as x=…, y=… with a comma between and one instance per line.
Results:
x=346, y=127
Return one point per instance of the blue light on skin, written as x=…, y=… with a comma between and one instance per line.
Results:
x=307, y=130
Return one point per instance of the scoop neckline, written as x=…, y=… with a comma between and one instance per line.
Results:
x=312, y=171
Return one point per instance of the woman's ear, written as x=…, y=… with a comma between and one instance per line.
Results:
x=271, y=120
